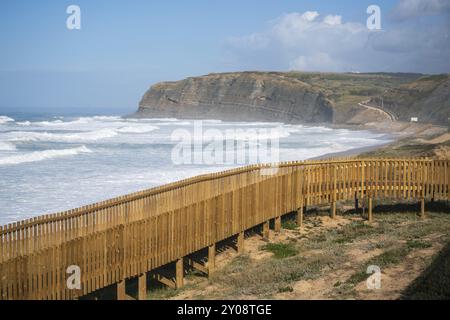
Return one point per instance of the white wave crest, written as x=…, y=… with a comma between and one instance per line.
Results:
x=5, y=146
x=63, y=137
x=60, y=123
x=5, y=119
x=137, y=129
x=42, y=155
x=104, y=118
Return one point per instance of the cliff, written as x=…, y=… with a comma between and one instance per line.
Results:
x=246, y=96
x=427, y=98
x=302, y=97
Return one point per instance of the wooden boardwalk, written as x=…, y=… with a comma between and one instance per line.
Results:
x=131, y=236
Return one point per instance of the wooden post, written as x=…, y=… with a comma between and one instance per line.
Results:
x=277, y=224
x=333, y=210
x=240, y=242
x=179, y=274
x=211, y=258
x=356, y=201
x=142, y=287
x=422, y=208
x=300, y=217
x=121, y=295
x=370, y=209
x=266, y=230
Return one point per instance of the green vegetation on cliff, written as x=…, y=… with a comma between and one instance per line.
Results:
x=302, y=97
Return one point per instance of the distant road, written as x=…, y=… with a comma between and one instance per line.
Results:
x=389, y=114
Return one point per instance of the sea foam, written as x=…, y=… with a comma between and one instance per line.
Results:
x=63, y=137
x=42, y=155
x=5, y=119
x=137, y=129
x=6, y=146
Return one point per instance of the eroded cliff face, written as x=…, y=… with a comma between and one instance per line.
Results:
x=427, y=98
x=247, y=96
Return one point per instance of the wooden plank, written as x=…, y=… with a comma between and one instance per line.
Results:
x=211, y=258
x=266, y=232
x=121, y=295
x=142, y=287
x=179, y=273
x=333, y=210
x=160, y=278
x=300, y=216
x=277, y=225
x=240, y=242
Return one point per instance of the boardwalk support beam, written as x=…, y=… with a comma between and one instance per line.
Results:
x=300, y=216
x=277, y=227
x=160, y=278
x=370, y=217
x=422, y=208
x=179, y=273
x=197, y=265
x=121, y=294
x=240, y=242
x=142, y=287
x=333, y=210
x=265, y=232
x=211, y=258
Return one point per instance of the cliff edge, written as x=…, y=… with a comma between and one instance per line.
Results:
x=302, y=97
x=249, y=96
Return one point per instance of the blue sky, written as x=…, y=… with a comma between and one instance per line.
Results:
x=125, y=46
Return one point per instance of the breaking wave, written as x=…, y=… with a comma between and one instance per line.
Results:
x=5, y=119
x=5, y=146
x=42, y=155
x=63, y=137
x=137, y=129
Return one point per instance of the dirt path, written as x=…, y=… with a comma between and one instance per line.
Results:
x=390, y=115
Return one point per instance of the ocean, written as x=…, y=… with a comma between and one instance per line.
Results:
x=50, y=164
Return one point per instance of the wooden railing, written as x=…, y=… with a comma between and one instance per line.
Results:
x=128, y=236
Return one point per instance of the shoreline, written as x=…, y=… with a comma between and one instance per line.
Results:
x=351, y=152
x=402, y=134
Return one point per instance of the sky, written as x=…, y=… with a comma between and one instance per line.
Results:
x=123, y=47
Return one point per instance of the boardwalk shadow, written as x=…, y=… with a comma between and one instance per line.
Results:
x=436, y=206
x=434, y=282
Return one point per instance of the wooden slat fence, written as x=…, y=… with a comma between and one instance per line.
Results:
x=127, y=236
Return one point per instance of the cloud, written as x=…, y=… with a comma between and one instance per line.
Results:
x=333, y=20
x=407, y=9
x=309, y=42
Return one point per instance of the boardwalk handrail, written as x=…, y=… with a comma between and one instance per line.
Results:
x=126, y=236
x=60, y=216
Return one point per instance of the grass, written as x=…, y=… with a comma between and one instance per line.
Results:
x=285, y=289
x=391, y=238
x=354, y=230
x=417, y=244
x=387, y=258
x=266, y=277
x=289, y=225
x=281, y=250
